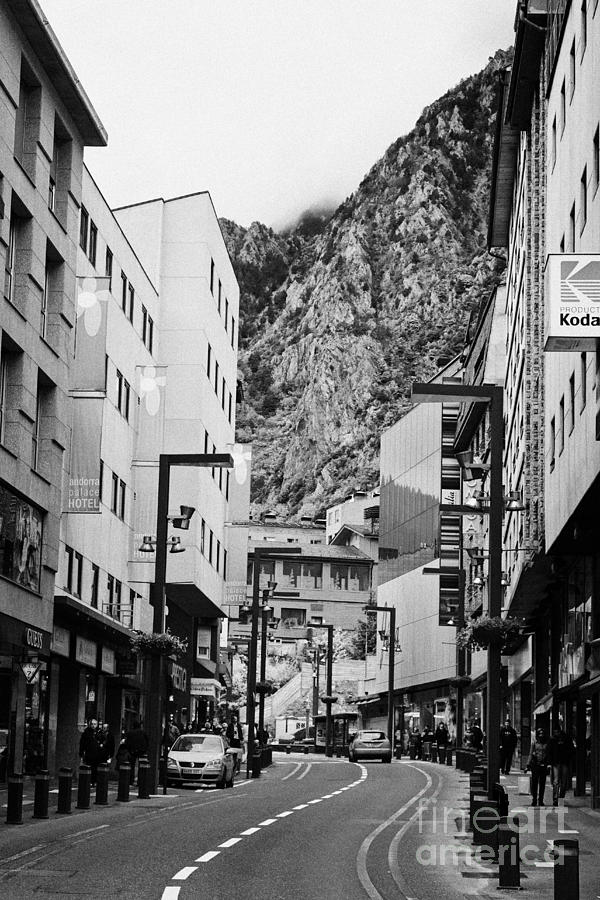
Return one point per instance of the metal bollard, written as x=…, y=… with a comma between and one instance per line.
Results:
x=123, y=789
x=288, y=748
x=65, y=785
x=566, y=869
x=306, y=749
x=434, y=753
x=485, y=826
x=83, y=786
x=143, y=779
x=102, y=785
x=40, y=797
x=509, y=860
x=477, y=799
x=14, y=804
x=256, y=765
x=448, y=756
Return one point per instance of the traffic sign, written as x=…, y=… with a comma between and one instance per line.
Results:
x=30, y=670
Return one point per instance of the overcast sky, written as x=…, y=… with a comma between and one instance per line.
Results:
x=271, y=105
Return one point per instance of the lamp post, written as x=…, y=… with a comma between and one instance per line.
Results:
x=328, y=699
x=391, y=663
x=156, y=711
x=265, y=609
x=491, y=394
x=259, y=554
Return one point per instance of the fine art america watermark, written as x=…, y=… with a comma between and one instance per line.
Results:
x=517, y=846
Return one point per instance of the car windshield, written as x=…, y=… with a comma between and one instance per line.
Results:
x=191, y=743
x=371, y=736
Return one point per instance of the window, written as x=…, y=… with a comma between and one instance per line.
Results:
x=206, y=441
x=27, y=120
x=291, y=573
x=571, y=402
x=44, y=306
x=74, y=571
x=553, y=146
x=232, y=331
x=312, y=575
x=583, y=370
x=212, y=276
x=359, y=578
x=562, y=244
x=131, y=303
x=292, y=618
x=561, y=425
x=101, y=480
x=3, y=393
x=572, y=229
x=208, y=361
x=108, y=267
x=218, y=556
x=210, y=545
x=563, y=107
x=84, y=221
x=93, y=243
x=126, y=397
x=202, y=533
x=226, y=314
x=203, y=641
x=11, y=254
x=147, y=329
x=119, y=390
x=583, y=199
x=114, y=497
x=583, y=26
x=216, y=378
x=227, y=473
x=122, y=490
x=95, y=583
x=223, y=394
x=124, y=292
x=229, y=408
x=35, y=431
x=113, y=606
x=225, y=563
x=572, y=70
x=59, y=176
x=339, y=577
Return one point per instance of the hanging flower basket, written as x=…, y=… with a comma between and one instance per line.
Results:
x=328, y=699
x=266, y=688
x=486, y=631
x=167, y=644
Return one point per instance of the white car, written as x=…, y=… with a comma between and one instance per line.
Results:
x=201, y=759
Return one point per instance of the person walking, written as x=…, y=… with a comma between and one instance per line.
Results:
x=508, y=742
x=538, y=766
x=476, y=737
x=107, y=744
x=136, y=744
x=235, y=736
x=172, y=731
x=90, y=749
x=561, y=752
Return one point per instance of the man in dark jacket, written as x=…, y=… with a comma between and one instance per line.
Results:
x=561, y=752
x=508, y=743
x=476, y=737
x=442, y=736
x=136, y=742
x=90, y=749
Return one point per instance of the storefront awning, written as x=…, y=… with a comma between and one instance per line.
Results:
x=193, y=601
x=543, y=705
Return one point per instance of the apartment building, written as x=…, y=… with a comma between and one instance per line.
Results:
x=46, y=121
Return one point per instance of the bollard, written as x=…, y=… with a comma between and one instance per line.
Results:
x=485, y=826
x=448, y=756
x=14, y=804
x=338, y=752
x=306, y=749
x=566, y=869
x=255, y=765
x=123, y=789
x=434, y=753
x=143, y=779
x=65, y=785
x=398, y=751
x=477, y=799
x=509, y=860
x=288, y=749
x=83, y=786
x=40, y=797
x=102, y=785
x=501, y=798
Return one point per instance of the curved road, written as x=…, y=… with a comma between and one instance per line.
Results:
x=310, y=827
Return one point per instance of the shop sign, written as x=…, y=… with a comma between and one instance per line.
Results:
x=126, y=666
x=235, y=592
x=61, y=641
x=30, y=670
x=179, y=677
x=86, y=652
x=107, y=660
x=573, y=301
x=34, y=638
x=205, y=687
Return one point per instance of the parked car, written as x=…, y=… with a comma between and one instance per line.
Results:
x=201, y=759
x=370, y=745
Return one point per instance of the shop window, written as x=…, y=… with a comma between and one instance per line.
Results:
x=339, y=577
x=292, y=618
x=291, y=574
x=312, y=575
x=359, y=578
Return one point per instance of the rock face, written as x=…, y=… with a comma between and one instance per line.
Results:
x=342, y=313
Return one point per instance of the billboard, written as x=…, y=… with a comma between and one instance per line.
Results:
x=572, y=301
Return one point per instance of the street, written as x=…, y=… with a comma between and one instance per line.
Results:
x=309, y=827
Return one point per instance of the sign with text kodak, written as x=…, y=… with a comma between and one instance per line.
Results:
x=572, y=301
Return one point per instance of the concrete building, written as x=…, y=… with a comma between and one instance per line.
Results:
x=46, y=120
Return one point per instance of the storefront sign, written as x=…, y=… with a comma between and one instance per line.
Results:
x=20, y=540
x=30, y=670
x=34, y=638
x=86, y=652
x=61, y=640
x=573, y=301
x=179, y=677
x=205, y=687
x=83, y=494
x=107, y=660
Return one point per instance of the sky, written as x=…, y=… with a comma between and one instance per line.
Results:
x=274, y=106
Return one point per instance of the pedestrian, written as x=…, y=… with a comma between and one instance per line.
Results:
x=415, y=744
x=398, y=742
x=561, y=752
x=442, y=736
x=172, y=731
x=538, y=766
x=508, y=743
x=476, y=736
x=90, y=749
x=136, y=741
x=235, y=736
x=107, y=744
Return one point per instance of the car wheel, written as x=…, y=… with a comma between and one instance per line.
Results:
x=386, y=759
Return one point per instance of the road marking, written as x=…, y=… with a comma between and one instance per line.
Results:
x=267, y=822
x=282, y=815
x=567, y=831
x=230, y=842
x=249, y=831
x=544, y=865
x=306, y=771
x=87, y=831
x=301, y=806
x=184, y=873
x=23, y=853
x=170, y=893
x=293, y=772
x=315, y=801
x=206, y=857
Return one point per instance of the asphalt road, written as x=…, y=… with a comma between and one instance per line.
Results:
x=308, y=828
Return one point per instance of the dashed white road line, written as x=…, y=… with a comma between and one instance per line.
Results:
x=301, y=806
x=230, y=842
x=267, y=822
x=282, y=815
x=249, y=831
x=184, y=873
x=22, y=853
x=170, y=893
x=206, y=857
x=305, y=773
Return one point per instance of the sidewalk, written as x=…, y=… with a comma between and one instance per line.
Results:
x=454, y=867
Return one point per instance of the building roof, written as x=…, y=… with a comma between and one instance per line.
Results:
x=504, y=163
x=44, y=43
x=316, y=551
x=363, y=530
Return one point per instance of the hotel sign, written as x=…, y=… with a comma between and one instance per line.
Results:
x=205, y=687
x=572, y=301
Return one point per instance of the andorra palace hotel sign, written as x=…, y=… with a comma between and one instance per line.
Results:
x=572, y=301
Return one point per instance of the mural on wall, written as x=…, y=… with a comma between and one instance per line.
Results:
x=20, y=540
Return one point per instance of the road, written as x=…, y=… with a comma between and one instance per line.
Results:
x=309, y=827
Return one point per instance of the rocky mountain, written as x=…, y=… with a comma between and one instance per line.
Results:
x=341, y=313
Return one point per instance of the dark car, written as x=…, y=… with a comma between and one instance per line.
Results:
x=370, y=745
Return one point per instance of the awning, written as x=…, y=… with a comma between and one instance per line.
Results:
x=545, y=704
x=193, y=601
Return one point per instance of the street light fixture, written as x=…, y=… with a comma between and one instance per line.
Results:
x=393, y=646
x=328, y=699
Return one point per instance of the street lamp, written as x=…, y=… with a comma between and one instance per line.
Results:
x=328, y=699
x=265, y=609
x=259, y=553
x=491, y=394
x=392, y=647
x=154, y=712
